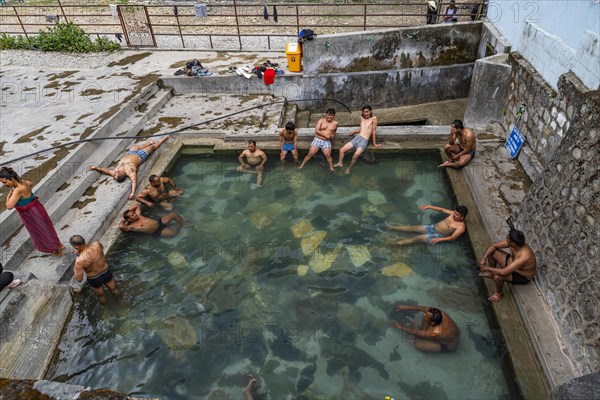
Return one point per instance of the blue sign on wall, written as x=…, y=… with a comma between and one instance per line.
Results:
x=514, y=142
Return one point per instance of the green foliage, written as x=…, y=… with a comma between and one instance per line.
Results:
x=62, y=37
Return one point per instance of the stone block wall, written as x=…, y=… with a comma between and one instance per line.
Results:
x=548, y=115
x=560, y=216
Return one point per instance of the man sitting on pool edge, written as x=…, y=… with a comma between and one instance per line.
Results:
x=134, y=221
x=444, y=231
x=438, y=333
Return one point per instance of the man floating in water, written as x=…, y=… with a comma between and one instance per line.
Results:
x=444, y=231
x=462, y=152
x=134, y=221
x=254, y=162
x=368, y=128
x=437, y=333
x=324, y=134
x=158, y=193
x=91, y=260
x=517, y=267
x=127, y=166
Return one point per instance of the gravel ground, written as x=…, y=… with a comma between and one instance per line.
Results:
x=32, y=58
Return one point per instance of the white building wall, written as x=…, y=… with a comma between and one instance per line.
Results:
x=555, y=36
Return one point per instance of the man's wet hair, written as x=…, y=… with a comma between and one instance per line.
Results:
x=366, y=107
x=330, y=111
x=125, y=217
x=458, y=124
x=151, y=178
x=252, y=142
x=517, y=237
x=290, y=126
x=77, y=240
x=462, y=210
x=120, y=178
x=436, y=316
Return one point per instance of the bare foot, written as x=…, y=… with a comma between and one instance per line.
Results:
x=301, y=166
x=338, y=165
x=347, y=171
x=58, y=252
x=331, y=168
x=248, y=389
x=486, y=275
x=390, y=226
x=444, y=164
x=496, y=297
x=187, y=224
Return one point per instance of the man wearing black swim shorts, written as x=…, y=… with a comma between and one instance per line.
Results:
x=134, y=221
x=461, y=146
x=517, y=267
x=91, y=260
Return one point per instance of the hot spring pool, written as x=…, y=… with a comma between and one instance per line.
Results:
x=288, y=282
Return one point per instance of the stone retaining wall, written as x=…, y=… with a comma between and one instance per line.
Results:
x=560, y=214
x=548, y=114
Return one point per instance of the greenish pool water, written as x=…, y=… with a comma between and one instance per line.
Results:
x=289, y=282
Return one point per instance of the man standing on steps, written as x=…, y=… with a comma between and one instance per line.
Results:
x=127, y=166
x=91, y=260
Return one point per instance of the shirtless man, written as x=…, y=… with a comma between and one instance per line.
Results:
x=368, y=128
x=91, y=260
x=288, y=141
x=461, y=153
x=127, y=166
x=255, y=161
x=134, y=221
x=158, y=193
x=437, y=333
x=444, y=231
x=517, y=267
x=324, y=134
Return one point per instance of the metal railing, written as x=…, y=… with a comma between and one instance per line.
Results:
x=228, y=25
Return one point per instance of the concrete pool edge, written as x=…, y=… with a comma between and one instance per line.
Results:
x=529, y=374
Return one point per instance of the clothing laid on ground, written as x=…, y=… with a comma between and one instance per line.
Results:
x=200, y=10
x=161, y=227
x=288, y=146
x=140, y=153
x=100, y=279
x=38, y=224
x=320, y=143
x=360, y=142
x=5, y=278
x=431, y=233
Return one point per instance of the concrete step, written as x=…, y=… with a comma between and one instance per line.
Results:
x=18, y=247
x=303, y=119
x=289, y=114
x=32, y=316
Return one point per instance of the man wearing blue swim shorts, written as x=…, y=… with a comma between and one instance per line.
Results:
x=324, y=133
x=444, y=231
x=127, y=166
x=368, y=129
x=288, y=141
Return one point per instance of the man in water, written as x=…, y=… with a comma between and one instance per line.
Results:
x=324, y=134
x=254, y=162
x=134, y=221
x=91, y=260
x=158, y=193
x=462, y=152
x=444, y=231
x=127, y=166
x=368, y=128
x=288, y=141
x=438, y=333
x=517, y=267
